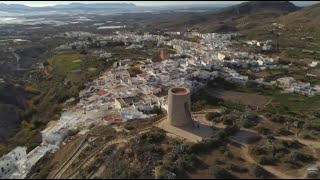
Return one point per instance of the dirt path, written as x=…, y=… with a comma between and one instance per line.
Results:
x=268, y=103
x=70, y=160
x=90, y=158
x=309, y=143
x=272, y=170
x=244, y=149
x=100, y=171
x=313, y=145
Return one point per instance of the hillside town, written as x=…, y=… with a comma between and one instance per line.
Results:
x=118, y=96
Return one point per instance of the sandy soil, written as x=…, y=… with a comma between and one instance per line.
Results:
x=254, y=100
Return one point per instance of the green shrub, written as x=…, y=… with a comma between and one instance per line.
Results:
x=133, y=71
x=227, y=121
x=187, y=162
x=56, y=108
x=267, y=160
x=46, y=63
x=221, y=173
x=3, y=149
x=264, y=131
x=134, y=174
x=228, y=155
x=73, y=132
x=129, y=127
x=217, y=120
x=219, y=162
x=32, y=90
x=212, y=115
x=305, y=158
x=238, y=169
x=283, y=131
x=277, y=118
x=250, y=120
x=222, y=136
x=279, y=155
x=313, y=125
x=30, y=107
x=215, y=143
x=153, y=137
x=226, y=111
x=249, y=124
x=259, y=172
x=252, y=116
x=308, y=136
x=259, y=151
x=317, y=114
x=292, y=144
x=198, y=105
x=199, y=148
x=229, y=130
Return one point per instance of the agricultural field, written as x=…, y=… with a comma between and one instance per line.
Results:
x=253, y=100
x=66, y=62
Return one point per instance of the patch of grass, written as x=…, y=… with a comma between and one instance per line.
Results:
x=133, y=71
x=295, y=102
x=65, y=61
x=288, y=102
x=32, y=90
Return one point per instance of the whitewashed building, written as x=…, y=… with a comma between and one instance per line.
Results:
x=8, y=162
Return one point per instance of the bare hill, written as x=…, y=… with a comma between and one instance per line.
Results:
x=231, y=18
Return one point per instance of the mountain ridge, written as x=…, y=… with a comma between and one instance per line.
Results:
x=18, y=7
x=229, y=18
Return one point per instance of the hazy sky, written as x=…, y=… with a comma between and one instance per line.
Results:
x=142, y=3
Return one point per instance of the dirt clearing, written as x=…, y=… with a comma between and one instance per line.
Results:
x=253, y=100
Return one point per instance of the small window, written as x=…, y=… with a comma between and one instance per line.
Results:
x=2, y=170
x=7, y=164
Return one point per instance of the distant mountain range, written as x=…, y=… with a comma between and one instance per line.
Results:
x=95, y=6
x=4, y=7
x=232, y=18
x=73, y=6
x=282, y=22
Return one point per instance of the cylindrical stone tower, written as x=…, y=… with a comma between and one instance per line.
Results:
x=179, y=105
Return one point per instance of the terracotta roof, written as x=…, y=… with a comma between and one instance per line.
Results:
x=141, y=76
x=101, y=92
x=118, y=120
x=119, y=86
x=108, y=118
